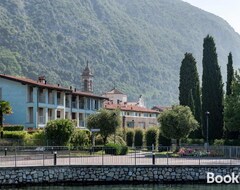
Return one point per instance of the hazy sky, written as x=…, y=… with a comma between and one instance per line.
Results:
x=229, y=10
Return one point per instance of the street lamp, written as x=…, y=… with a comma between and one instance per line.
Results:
x=207, y=113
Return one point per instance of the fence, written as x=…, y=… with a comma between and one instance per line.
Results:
x=16, y=156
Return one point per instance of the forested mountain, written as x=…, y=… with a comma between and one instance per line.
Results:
x=135, y=45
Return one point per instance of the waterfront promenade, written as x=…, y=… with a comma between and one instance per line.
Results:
x=45, y=158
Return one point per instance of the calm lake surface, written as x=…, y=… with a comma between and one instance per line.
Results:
x=136, y=187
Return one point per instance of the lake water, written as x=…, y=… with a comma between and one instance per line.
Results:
x=135, y=187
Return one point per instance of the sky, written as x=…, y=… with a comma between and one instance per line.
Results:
x=229, y=10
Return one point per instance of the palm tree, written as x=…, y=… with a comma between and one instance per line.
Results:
x=5, y=109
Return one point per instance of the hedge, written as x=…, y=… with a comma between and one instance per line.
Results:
x=116, y=149
x=13, y=128
x=130, y=137
x=20, y=135
x=151, y=136
x=138, y=138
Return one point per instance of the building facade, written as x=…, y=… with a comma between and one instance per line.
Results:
x=34, y=103
x=134, y=114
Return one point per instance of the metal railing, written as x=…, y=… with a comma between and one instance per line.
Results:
x=16, y=156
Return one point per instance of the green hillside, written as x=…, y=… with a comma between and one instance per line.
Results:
x=135, y=45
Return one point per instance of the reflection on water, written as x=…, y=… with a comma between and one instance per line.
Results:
x=136, y=187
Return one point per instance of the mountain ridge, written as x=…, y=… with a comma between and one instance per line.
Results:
x=135, y=45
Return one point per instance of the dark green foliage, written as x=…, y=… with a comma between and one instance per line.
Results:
x=230, y=73
x=58, y=132
x=151, y=137
x=116, y=149
x=105, y=120
x=212, y=90
x=177, y=123
x=138, y=137
x=189, y=87
x=130, y=137
x=5, y=109
x=118, y=37
x=80, y=138
x=162, y=140
x=190, y=141
x=13, y=128
x=227, y=142
x=232, y=107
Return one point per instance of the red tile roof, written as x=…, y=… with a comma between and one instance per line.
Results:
x=161, y=108
x=33, y=82
x=123, y=107
x=50, y=86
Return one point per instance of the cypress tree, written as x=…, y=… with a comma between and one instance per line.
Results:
x=189, y=89
x=230, y=72
x=212, y=91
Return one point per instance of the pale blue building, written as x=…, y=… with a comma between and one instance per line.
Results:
x=34, y=103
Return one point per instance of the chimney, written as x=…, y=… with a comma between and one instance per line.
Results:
x=75, y=90
x=42, y=79
x=70, y=87
x=58, y=84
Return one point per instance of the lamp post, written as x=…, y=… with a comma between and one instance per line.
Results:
x=207, y=115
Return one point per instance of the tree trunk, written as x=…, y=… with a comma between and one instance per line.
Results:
x=177, y=145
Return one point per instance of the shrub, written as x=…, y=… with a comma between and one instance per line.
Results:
x=116, y=149
x=58, y=132
x=151, y=136
x=118, y=140
x=98, y=140
x=130, y=137
x=19, y=135
x=36, y=138
x=80, y=138
x=112, y=148
x=194, y=141
x=138, y=137
x=13, y=128
x=228, y=142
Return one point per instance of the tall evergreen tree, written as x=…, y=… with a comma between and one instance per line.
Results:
x=189, y=88
x=230, y=72
x=212, y=90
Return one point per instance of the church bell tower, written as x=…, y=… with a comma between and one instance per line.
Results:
x=87, y=80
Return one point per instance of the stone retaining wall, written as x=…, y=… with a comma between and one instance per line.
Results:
x=102, y=174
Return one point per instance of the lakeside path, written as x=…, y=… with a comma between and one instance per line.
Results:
x=130, y=159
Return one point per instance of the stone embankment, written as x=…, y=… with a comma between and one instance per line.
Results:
x=103, y=174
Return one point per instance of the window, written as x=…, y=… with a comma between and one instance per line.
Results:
x=81, y=103
x=96, y=105
x=30, y=94
x=58, y=114
x=30, y=115
x=88, y=103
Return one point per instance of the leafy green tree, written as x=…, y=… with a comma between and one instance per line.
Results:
x=232, y=106
x=230, y=73
x=189, y=88
x=212, y=90
x=58, y=132
x=105, y=120
x=177, y=123
x=5, y=109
